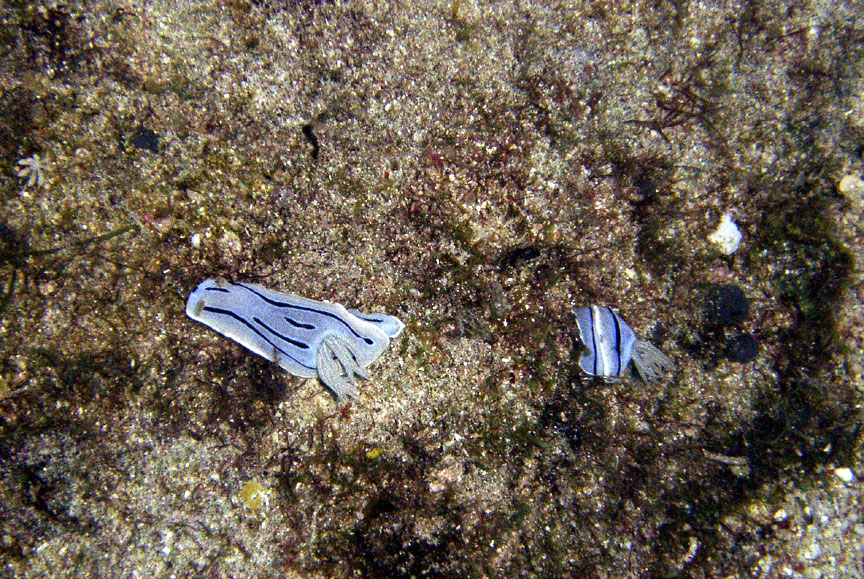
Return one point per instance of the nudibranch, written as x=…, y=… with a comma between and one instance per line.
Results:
x=610, y=344
x=307, y=338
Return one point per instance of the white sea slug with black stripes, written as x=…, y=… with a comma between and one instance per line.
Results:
x=307, y=338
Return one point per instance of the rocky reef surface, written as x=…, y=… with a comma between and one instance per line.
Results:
x=477, y=169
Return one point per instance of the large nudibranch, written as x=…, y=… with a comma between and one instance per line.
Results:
x=306, y=337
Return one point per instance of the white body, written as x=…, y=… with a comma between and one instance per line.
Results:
x=290, y=330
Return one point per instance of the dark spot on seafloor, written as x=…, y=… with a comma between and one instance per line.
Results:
x=51, y=36
x=146, y=140
x=724, y=305
x=561, y=418
x=379, y=505
x=9, y=235
x=517, y=255
x=313, y=140
x=742, y=348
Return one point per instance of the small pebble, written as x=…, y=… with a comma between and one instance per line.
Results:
x=230, y=243
x=811, y=551
x=851, y=186
x=253, y=495
x=845, y=474
x=725, y=305
x=146, y=140
x=742, y=348
x=727, y=236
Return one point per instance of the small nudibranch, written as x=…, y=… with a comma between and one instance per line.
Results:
x=307, y=338
x=610, y=344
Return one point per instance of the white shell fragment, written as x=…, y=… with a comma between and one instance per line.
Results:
x=610, y=345
x=845, y=474
x=727, y=236
x=305, y=337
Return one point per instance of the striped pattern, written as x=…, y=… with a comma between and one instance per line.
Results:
x=608, y=341
x=391, y=325
x=290, y=330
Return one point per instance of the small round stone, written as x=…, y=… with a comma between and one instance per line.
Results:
x=811, y=552
x=146, y=140
x=727, y=236
x=851, y=186
x=725, y=304
x=742, y=348
x=844, y=474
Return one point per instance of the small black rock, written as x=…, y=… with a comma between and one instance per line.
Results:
x=146, y=140
x=517, y=255
x=725, y=305
x=742, y=348
x=9, y=235
x=313, y=140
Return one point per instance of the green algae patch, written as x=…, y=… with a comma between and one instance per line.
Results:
x=253, y=495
